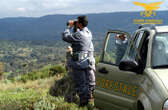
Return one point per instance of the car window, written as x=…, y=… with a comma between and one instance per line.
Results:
x=116, y=47
x=139, y=38
x=160, y=50
x=135, y=44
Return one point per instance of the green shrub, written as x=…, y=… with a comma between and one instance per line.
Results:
x=6, y=81
x=65, y=85
x=45, y=72
x=30, y=76
x=97, y=59
x=57, y=70
x=23, y=78
x=24, y=98
x=1, y=75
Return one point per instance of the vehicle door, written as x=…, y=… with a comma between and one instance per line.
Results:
x=116, y=89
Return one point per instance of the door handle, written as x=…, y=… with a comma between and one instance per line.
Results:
x=103, y=70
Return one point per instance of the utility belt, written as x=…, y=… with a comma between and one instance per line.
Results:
x=78, y=56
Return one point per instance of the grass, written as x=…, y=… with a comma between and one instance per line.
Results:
x=45, y=72
x=34, y=95
x=19, y=95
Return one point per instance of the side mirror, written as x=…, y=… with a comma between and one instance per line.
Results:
x=128, y=65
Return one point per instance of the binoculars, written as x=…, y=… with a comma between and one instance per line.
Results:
x=73, y=22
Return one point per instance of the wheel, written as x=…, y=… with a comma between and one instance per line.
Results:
x=140, y=106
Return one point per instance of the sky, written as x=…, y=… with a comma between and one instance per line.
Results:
x=37, y=8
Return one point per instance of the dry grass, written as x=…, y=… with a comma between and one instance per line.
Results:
x=34, y=95
x=37, y=84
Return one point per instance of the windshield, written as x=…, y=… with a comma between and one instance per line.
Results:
x=160, y=51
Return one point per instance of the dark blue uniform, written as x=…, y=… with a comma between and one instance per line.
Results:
x=120, y=49
x=82, y=62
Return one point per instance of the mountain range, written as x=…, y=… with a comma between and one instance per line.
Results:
x=50, y=27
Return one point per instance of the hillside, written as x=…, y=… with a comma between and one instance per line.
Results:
x=33, y=58
x=50, y=27
x=31, y=43
x=42, y=89
x=32, y=95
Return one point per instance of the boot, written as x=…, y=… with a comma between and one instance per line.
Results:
x=83, y=100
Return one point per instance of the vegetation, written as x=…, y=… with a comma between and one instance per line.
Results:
x=45, y=72
x=33, y=76
x=30, y=52
x=37, y=91
x=19, y=57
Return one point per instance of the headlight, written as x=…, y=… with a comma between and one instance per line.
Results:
x=165, y=106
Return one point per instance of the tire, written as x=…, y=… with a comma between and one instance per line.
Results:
x=140, y=106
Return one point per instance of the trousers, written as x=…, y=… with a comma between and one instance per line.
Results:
x=83, y=73
x=81, y=83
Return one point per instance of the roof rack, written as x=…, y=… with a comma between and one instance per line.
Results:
x=152, y=26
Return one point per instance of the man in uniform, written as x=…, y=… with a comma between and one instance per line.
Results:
x=121, y=44
x=82, y=62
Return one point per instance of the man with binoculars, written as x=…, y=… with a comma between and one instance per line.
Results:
x=83, y=61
